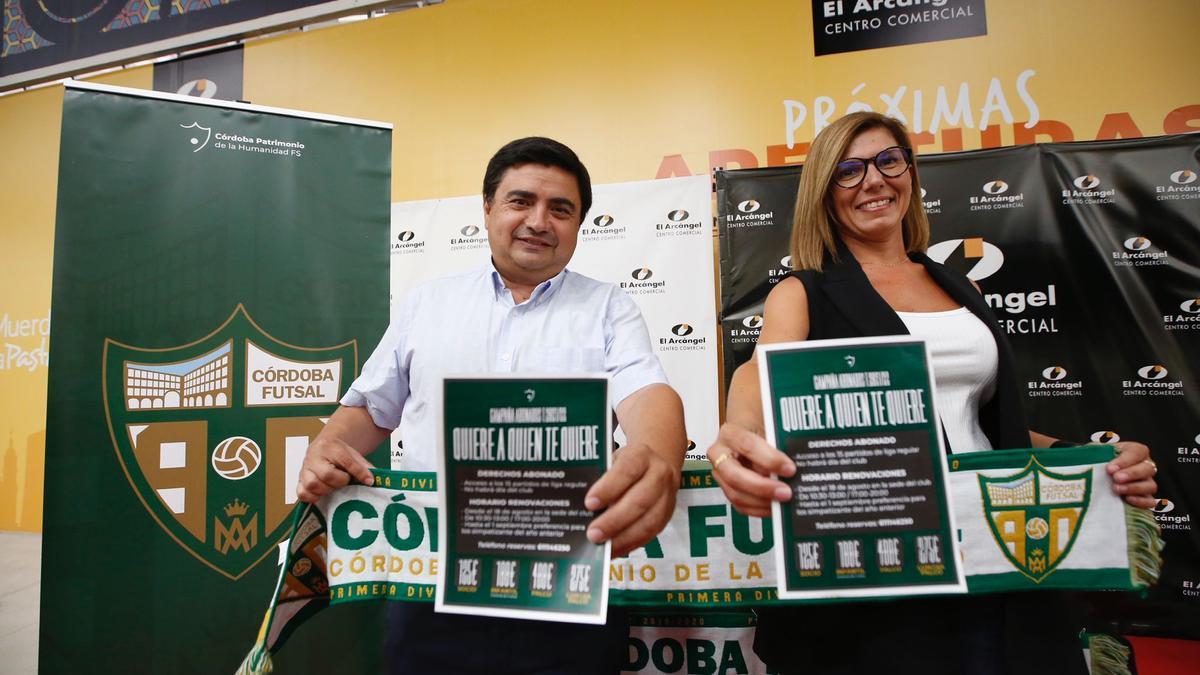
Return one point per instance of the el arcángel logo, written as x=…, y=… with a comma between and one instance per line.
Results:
x=468, y=238
x=1086, y=189
x=1187, y=318
x=211, y=434
x=780, y=271
x=1165, y=512
x=749, y=213
x=1054, y=382
x=1182, y=185
x=602, y=227
x=1152, y=380
x=679, y=222
x=200, y=88
x=1138, y=252
x=996, y=196
x=681, y=339
x=978, y=260
x=643, y=283
x=1184, y=177
x=406, y=243
x=974, y=257
x=746, y=331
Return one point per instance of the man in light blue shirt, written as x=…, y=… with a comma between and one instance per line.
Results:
x=523, y=312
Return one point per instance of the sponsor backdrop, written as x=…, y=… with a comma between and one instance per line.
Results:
x=639, y=103
x=1087, y=253
x=646, y=237
x=205, y=332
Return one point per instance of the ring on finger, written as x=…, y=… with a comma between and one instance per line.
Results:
x=717, y=462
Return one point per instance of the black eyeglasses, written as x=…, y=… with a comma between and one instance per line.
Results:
x=891, y=162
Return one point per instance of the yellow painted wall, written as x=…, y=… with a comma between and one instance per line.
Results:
x=29, y=130
x=629, y=82
x=640, y=88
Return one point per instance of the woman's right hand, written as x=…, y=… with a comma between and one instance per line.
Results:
x=742, y=460
x=743, y=463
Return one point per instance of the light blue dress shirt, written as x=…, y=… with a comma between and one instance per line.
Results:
x=468, y=323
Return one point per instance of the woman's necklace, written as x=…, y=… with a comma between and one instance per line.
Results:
x=896, y=263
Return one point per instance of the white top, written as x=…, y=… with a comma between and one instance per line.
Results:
x=964, y=362
x=468, y=323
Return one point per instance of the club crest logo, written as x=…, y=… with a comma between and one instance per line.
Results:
x=195, y=140
x=211, y=434
x=1034, y=515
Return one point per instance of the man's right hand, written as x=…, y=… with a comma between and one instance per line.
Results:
x=328, y=465
x=335, y=457
x=742, y=463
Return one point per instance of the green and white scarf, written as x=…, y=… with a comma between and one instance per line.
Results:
x=1027, y=519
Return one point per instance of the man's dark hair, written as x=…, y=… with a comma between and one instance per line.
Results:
x=538, y=150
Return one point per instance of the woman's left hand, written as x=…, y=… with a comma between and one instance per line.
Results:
x=1133, y=472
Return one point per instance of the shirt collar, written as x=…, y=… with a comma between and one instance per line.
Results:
x=541, y=292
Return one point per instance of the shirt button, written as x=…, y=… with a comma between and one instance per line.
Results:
x=505, y=356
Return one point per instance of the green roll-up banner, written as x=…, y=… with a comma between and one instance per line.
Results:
x=220, y=274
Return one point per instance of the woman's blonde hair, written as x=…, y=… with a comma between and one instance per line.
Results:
x=813, y=225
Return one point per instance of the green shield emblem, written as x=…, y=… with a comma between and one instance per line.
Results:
x=1034, y=515
x=211, y=434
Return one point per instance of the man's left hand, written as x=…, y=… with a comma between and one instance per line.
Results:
x=639, y=491
x=1132, y=473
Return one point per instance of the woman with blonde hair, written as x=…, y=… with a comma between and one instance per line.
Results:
x=858, y=252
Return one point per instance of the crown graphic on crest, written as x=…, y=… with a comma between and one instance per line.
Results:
x=236, y=508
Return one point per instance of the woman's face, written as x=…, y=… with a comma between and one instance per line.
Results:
x=873, y=209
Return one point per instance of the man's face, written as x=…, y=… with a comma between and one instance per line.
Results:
x=532, y=222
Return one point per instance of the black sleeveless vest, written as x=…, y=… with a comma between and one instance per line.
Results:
x=1017, y=633
x=842, y=303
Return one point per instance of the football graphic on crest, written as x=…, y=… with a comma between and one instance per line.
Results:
x=236, y=458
